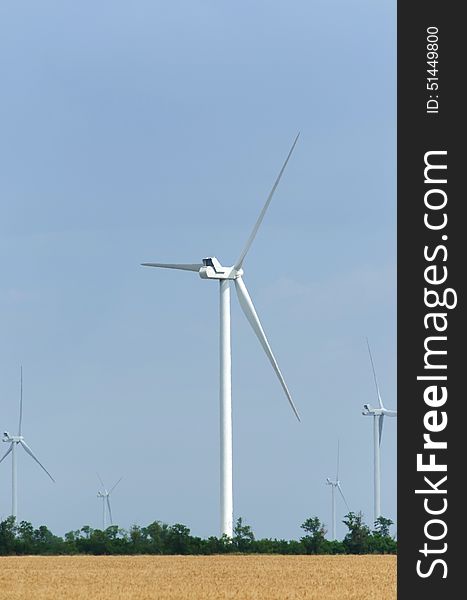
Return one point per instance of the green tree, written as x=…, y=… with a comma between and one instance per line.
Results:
x=97, y=543
x=45, y=542
x=314, y=542
x=138, y=540
x=358, y=538
x=87, y=531
x=157, y=535
x=243, y=536
x=8, y=536
x=382, y=526
x=381, y=541
x=179, y=539
x=25, y=543
x=160, y=538
x=335, y=547
x=215, y=545
x=70, y=542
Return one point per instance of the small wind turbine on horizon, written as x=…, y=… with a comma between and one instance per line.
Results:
x=14, y=441
x=105, y=495
x=378, y=415
x=335, y=485
x=210, y=268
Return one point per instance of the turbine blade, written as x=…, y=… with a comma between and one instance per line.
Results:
x=337, y=471
x=374, y=375
x=10, y=448
x=21, y=402
x=181, y=267
x=343, y=497
x=110, y=510
x=250, y=313
x=241, y=258
x=100, y=479
x=381, y=420
x=390, y=413
x=30, y=452
x=112, y=489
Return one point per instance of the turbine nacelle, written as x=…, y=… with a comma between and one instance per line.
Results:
x=370, y=411
x=212, y=269
x=15, y=439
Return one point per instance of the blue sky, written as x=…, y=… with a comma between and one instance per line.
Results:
x=153, y=131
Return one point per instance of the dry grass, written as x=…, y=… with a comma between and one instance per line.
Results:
x=198, y=577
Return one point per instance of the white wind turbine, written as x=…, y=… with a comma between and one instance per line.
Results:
x=14, y=441
x=336, y=484
x=105, y=495
x=210, y=268
x=378, y=415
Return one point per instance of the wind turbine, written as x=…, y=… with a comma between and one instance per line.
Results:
x=14, y=441
x=105, y=495
x=335, y=485
x=210, y=268
x=378, y=415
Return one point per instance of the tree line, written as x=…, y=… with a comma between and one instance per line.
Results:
x=159, y=538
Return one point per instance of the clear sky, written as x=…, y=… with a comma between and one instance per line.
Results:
x=153, y=131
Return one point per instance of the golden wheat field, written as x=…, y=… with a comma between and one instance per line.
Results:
x=198, y=577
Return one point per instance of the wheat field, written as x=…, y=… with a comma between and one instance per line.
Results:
x=198, y=577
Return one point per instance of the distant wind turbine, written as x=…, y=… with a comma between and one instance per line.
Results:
x=335, y=485
x=14, y=441
x=210, y=268
x=105, y=495
x=378, y=415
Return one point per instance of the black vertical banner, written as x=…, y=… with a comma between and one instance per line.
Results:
x=432, y=248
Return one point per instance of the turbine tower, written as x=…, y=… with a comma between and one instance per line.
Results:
x=378, y=415
x=14, y=441
x=335, y=485
x=210, y=268
x=105, y=495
